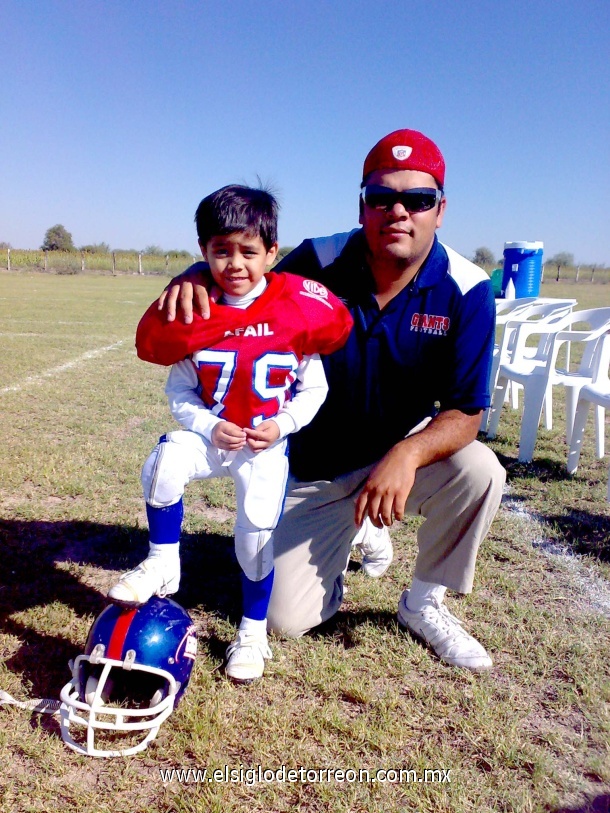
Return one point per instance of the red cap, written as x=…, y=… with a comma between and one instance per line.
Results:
x=406, y=149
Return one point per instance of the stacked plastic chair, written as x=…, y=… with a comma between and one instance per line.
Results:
x=537, y=372
x=510, y=320
x=597, y=393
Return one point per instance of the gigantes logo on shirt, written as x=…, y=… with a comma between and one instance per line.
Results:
x=427, y=323
x=316, y=291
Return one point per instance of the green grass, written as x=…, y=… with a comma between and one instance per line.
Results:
x=80, y=414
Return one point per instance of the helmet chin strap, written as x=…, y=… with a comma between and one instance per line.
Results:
x=42, y=706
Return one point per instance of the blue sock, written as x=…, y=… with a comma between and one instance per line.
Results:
x=164, y=524
x=256, y=596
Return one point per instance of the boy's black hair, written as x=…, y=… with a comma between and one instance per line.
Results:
x=238, y=208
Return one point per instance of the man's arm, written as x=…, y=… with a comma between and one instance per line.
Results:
x=190, y=291
x=385, y=493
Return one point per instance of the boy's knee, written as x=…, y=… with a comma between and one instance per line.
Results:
x=254, y=552
x=164, y=474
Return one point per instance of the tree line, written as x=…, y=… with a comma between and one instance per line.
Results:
x=58, y=238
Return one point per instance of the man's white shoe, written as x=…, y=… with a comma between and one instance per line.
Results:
x=376, y=548
x=152, y=577
x=444, y=633
x=246, y=657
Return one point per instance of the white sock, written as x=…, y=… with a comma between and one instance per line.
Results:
x=258, y=628
x=168, y=553
x=422, y=593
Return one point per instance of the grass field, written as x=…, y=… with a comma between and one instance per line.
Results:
x=80, y=414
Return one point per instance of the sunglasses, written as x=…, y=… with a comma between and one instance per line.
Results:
x=384, y=199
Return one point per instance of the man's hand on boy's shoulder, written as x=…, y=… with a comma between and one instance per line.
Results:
x=189, y=291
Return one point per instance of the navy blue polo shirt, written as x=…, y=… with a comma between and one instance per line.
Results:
x=429, y=349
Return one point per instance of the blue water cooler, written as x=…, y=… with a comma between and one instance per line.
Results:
x=523, y=265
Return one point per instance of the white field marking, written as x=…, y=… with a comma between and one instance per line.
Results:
x=9, y=335
x=34, y=379
x=594, y=589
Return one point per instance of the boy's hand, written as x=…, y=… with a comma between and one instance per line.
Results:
x=188, y=290
x=265, y=434
x=228, y=436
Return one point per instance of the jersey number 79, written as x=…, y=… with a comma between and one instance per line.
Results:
x=245, y=392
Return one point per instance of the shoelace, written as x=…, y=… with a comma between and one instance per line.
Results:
x=140, y=572
x=251, y=642
x=447, y=618
x=42, y=706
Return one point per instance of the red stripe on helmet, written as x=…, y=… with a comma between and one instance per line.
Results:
x=119, y=633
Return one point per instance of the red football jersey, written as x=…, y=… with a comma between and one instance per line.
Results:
x=246, y=359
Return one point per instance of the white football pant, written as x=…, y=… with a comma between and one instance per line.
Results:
x=260, y=485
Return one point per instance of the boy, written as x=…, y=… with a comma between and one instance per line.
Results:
x=251, y=376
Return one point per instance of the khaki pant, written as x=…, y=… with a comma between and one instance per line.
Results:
x=458, y=498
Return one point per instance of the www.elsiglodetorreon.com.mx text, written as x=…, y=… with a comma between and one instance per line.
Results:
x=258, y=775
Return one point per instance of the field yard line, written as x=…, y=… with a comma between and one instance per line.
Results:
x=33, y=379
x=593, y=589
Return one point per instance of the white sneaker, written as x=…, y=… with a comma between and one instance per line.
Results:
x=376, y=548
x=246, y=657
x=444, y=633
x=150, y=578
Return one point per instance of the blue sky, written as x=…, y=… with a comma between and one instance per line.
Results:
x=118, y=117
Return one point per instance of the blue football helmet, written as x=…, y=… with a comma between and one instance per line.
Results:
x=136, y=666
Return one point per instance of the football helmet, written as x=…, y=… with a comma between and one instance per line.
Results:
x=136, y=666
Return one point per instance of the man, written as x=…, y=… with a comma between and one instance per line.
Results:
x=397, y=433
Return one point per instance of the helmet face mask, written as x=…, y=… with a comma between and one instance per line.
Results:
x=136, y=666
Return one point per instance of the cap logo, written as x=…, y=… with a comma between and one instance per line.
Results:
x=401, y=153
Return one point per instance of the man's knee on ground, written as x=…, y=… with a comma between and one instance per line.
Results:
x=284, y=628
x=286, y=616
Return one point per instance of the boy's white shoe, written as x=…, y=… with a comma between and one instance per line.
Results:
x=246, y=657
x=444, y=633
x=152, y=577
x=376, y=548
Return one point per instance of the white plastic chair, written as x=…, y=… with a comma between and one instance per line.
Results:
x=597, y=393
x=538, y=311
x=539, y=372
x=509, y=308
x=548, y=311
